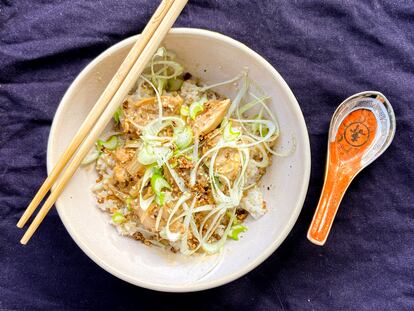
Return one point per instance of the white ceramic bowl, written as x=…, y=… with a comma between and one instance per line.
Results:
x=212, y=57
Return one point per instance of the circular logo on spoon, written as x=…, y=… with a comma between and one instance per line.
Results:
x=356, y=134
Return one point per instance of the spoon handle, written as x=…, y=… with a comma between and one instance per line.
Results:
x=337, y=180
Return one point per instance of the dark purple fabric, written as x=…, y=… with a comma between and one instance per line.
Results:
x=325, y=50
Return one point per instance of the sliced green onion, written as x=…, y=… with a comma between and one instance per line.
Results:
x=92, y=156
x=183, y=137
x=111, y=143
x=174, y=163
x=160, y=199
x=174, y=84
x=128, y=202
x=146, y=155
x=263, y=130
x=157, y=170
x=235, y=221
x=117, y=115
x=160, y=52
x=158, y=183
x=163, y=197
x=184, y=111
x=236, y=230
x=118, y=218
x=231, y=133
x=195, y=109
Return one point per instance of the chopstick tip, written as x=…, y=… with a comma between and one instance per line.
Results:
x=25, y=239
x=23, y=219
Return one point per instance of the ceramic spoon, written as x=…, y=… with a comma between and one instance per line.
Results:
x=361, y=129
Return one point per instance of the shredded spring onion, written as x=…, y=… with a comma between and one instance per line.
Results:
x=158, y=95
x=232, y=80
x=145, y=203
x=174, y=236
x=178, y=180
x=240, y=94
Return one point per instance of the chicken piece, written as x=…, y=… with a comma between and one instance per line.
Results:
x=125, y=168
x=147, y=218
x=120, y=173
x=211, y=117
x=136, y=168
x=210, y=141
x=228, y=163
x=184, y=163
x=135, y=189
x=122, y=155
x=146, y=109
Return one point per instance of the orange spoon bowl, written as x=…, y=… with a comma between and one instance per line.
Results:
x=361, y=129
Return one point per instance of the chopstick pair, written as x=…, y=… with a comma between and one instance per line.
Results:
x=102, y=112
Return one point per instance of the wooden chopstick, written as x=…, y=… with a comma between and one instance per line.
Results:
x=136, y=70
x=98, y=108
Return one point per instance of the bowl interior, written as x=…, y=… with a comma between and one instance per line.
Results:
x=213, y=58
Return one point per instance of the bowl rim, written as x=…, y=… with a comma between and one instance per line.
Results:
x=270, y=248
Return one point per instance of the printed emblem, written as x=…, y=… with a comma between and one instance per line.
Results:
x=356, y=134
